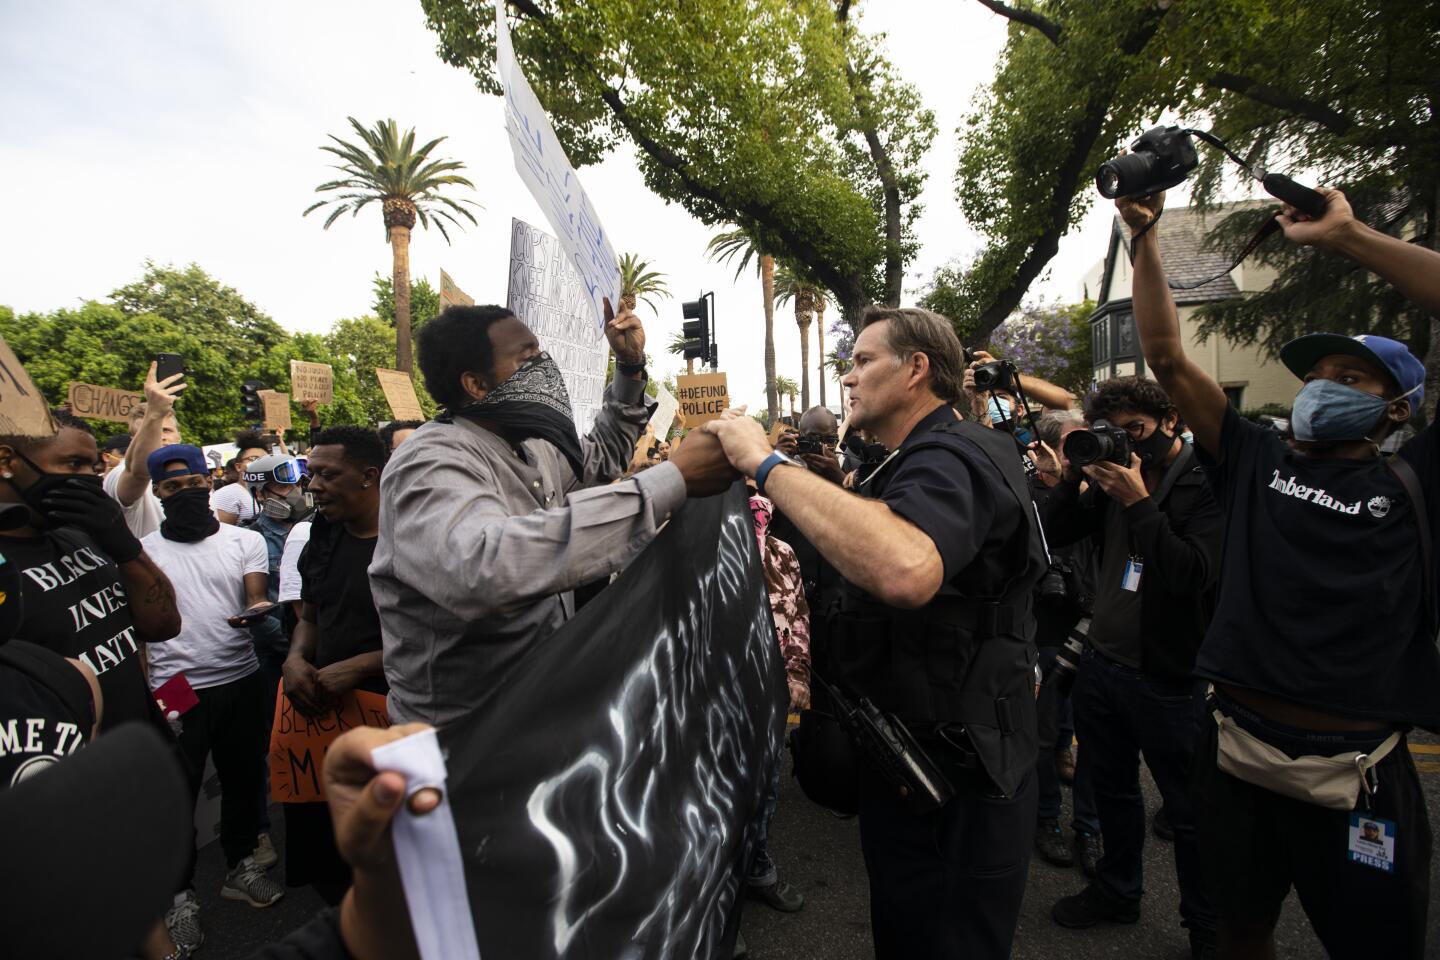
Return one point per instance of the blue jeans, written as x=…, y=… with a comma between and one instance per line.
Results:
x=1121, y=714
x=762, y=869
x=1056, y=730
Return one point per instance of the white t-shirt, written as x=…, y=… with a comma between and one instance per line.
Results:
x=209, y=579
x=234, y=498
x=144, y=515
x=290, y=561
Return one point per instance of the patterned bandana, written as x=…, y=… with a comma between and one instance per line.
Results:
x=532, y=404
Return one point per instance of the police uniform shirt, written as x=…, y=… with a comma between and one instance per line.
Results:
x=960, y=503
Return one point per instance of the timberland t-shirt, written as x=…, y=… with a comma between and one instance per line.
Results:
x=1321, y=589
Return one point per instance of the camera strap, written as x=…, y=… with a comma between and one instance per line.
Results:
x=1270, y=226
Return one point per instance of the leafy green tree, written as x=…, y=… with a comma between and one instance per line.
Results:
x=1050, y=341
x=813, y=147
x=424, y=302
x=737, y=244
x=358, y=345
x=389, y=170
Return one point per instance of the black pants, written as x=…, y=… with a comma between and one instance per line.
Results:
x=1255, y=845
x=228, y=724
x=1055, y=729
x=948, y=884
x=1122, y=714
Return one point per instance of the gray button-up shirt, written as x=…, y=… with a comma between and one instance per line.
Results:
x=482, y=543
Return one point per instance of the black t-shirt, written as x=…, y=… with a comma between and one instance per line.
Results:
x=961, y=503
x=335, y=578
x=46, y=710
x=1422, y=452
x=75, y=605
x=1320, y=595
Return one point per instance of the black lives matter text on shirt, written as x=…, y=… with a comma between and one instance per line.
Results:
x=46, y=711
x=75, y=605
x=335, y=578
x=1320, y=596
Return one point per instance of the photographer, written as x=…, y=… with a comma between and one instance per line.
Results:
x=1158, y=531
x=940, y=561
x=1323, y=640
x=1065, y=597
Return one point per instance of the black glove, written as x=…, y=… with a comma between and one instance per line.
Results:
x=85, y=504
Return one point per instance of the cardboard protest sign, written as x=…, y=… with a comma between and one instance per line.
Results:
x=399, y=392
x=603, y=795
x=666, y=406
x=103, y=403
x=312, y=381
x=549, y=296
x=451, y=295
x=23, y=410
x=546, y=170
x=777, y=430
x=277, y=409
x=703, y=397
x=298, y=743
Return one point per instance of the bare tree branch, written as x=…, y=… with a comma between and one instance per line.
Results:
x=1331, y=119
x=1029, y=18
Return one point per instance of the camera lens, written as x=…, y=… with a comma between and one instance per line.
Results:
x=1125, y=176
x=1084, y=447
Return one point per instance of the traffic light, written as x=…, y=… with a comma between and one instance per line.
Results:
x=250, y=403
x=697, y=330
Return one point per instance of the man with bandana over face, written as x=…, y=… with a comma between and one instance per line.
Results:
x=492, y=514
x=1322, y=643
x=219, y=570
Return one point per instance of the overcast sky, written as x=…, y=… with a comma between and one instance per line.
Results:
x=188, y=131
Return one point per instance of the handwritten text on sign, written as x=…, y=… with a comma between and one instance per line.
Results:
x=546, y=170
x=312, y=381
x=277, y=409
x=103, y=403
x=23, y=411
x=549, y=297
x=298, y=743
x=703, y=397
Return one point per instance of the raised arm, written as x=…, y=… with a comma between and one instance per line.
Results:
x=1413, y=268
x=1200, y=400
x=610, y=444
x=149, y=436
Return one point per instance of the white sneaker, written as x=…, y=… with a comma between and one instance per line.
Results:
x=183, y=922
x=248, y=882
x=265, y=854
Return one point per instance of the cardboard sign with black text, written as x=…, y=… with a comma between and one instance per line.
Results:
x=400, y=394
x=103, y=403
x=23, y=410
x=277, y=409
x=703, y=397
x=312, y=381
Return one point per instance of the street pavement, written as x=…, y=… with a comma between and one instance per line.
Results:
x=820, y=855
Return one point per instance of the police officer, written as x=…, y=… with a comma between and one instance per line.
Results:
x=940, y=554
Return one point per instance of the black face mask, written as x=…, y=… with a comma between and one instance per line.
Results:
x=1155, y=448
x=47, y=483
x=188, y=517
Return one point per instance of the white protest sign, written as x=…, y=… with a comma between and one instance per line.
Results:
x=549, y=297
x=546, y=170
x=666, y=406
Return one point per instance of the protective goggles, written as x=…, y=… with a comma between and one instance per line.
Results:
x=288, y=471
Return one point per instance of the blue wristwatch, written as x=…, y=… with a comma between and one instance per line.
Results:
x=769, y=463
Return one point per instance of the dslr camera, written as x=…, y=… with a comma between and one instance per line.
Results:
x=1001, y=375
x=1158, y=160
x=813, y=443
x=1102, y=442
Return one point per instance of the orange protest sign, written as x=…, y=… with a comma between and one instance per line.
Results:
x=298, y=743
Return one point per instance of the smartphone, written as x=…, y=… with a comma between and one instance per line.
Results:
x=248, y=615
x=167, y=365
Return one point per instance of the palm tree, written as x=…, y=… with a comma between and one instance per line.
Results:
x=638, y=282
x=822, y=297
x=792, y=284
x=388, y=169
x=677, y=347
x=732, y=243
x=787, y=388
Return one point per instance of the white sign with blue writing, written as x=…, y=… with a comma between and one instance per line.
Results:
x=546, y=170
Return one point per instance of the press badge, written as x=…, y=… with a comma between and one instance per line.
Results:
x=1372, y=842
x=1131, y=580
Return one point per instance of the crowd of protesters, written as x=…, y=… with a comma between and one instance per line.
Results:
x=1239, y=607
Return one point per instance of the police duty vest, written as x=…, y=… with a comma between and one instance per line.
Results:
x=964, y=658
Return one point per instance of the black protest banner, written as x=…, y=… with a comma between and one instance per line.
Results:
x=605, y=795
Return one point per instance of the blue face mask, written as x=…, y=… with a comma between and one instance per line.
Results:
x=1327, y=411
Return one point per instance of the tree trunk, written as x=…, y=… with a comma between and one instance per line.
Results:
x=689, y=366
x=804, y=361
x=820, y=334
x=400, y=251
x=767, y=289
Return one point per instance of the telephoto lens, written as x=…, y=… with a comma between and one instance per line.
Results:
x=1061, y=675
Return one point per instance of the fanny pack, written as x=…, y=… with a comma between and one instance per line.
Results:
x=1332, y=782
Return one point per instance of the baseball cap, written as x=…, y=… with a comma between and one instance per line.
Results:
x=193, y=458
x=1302, y=353
x=62, y=823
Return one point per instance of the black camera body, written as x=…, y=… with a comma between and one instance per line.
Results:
x=1158, y=160
x=998, y=375
x=1102, y=442
x=1055, y=585
x=809, y=444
